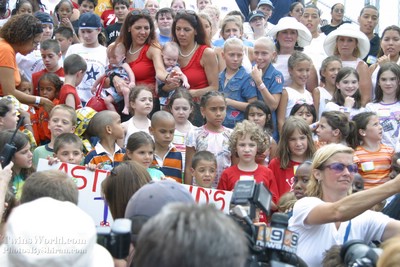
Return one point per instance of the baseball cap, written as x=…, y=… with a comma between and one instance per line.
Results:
x=49, y=232
x=265, y=2
x=255, y=14
x=44, y=17
x=89, y=20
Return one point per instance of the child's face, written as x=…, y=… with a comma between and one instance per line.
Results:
x=263, y=55
x=163, y=132
x=204, y=173
x=9, y=121
x=121, y=11
x=50, y=60
x=47, y=89
x=89, y=37
x=389, y=83
x=395, y=167
x=116, y=127
x=301, y=178
x=70, y=153
x=231, y=30
x=310, y=19
x=143, y=103
x=297, y=144
x=373, y=130
x=348, y=85
x=325, y=132
x=214, y=111
x=170, y=57
x=246, y=149
x=331, y=72
x=181, y=110
x=86, y=6
x=25, y=87
x=233, y=56
x=143, y=155
x=117, y=56
x=60, y=122
x=358, y=183
x=25, y=8
x=47, y=31
x=300, y=72
x=257, y=116
x=64, y=42
x=64, y=11
x=304, y=113
x=23, y=158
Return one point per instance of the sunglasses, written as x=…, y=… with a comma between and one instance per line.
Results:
x=339, y=167
x=140, y=12
x=339, y=10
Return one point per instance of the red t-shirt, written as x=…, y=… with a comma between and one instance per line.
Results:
x=67, y=89
x=144, y=70
x=262, y=174
x=108, y=17
x=36, y=76
x=284, y=177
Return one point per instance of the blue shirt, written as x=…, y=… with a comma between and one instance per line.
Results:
x=240, y=87
x=221, y=42
x=164, y=39
x=273, y=80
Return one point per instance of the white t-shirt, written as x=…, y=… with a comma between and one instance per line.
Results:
x=281, y=64
x=96, y=59
x=324, y=98
x=315, y=50
x=294, y=96
x=314, y=240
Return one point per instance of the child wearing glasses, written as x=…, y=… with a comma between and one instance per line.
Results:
x=372, y=157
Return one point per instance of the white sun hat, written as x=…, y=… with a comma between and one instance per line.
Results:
x=304, y=35
x=348, y=30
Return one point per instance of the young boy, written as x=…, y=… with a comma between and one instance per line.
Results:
x=268, y=80
x=204, y=168
x=51, y=54
x=166, y=157
x=91, y=51
x=64, y=37
x=121, y=10
x=106, y=154
x=68, y=148
x=74, y=68
x=85, y=6
x=235, y=83
x=62, y=120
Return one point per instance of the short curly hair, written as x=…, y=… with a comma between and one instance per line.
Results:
x=26, y=25
x=256, y=134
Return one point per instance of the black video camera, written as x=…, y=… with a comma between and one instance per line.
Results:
x=355, y=253
x=272, y=245
x=9, y=148
x=116, y=239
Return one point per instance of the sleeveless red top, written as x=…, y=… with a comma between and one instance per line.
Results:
x=144, y=70
x=194, y=71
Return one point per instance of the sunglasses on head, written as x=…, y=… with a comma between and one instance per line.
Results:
x=339, y=167
x=184, y=11
x=140, y=12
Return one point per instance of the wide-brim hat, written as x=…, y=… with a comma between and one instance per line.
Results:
x=347, y=30
x=304, y=37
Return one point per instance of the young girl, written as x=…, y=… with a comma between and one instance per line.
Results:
x=347, y=97
x=259, y=113
x=372, y=157
x=333, y=127
x=22, y=7
x=22, y=159
x=141, y=104
x=140, y=148
x=63, y=13
x=49, y=86
x=212, y=136
x=181, y=107
x=247, y=141
x=299, y=65
x=238, y=87
x=387, y=102
x=8, y=115
x=306, y=111
x=294, y=147
x=323, y=94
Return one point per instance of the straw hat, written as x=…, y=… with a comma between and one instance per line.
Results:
x=304, y=35
x=348, y=30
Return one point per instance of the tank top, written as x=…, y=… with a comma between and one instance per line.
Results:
x=194, y=71
x=144, y=70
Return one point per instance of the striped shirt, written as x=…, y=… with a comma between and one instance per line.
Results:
x=374, y=166
x=171, y=164
x=108, y=161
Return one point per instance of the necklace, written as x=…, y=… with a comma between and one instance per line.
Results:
x=190, y=53
x=135, y=52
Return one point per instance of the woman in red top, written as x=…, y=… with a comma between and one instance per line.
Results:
x=143, y=51
x=197, y=61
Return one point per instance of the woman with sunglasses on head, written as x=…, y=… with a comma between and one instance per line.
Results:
x=197, y=60
x=330, y=214
x=30, y=32
x=337, y=14
x=143, y=52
